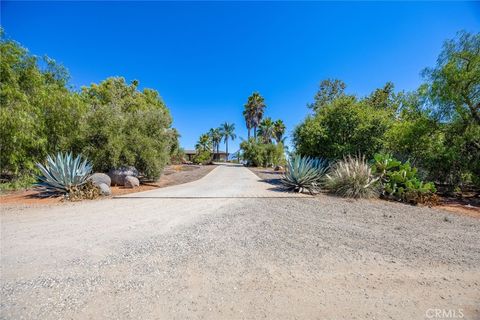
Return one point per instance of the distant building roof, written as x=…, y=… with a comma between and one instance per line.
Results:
x=195, y=152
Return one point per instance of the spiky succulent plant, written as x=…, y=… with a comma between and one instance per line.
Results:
x=352, y=177
x=63, y=173
x=304, y=174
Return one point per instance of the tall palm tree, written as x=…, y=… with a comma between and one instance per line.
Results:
x=248, y=113
x=278, y=130
x=203, y=143
x=254, y=110
x=266, y=130
x=228, y=132
x=216, y=138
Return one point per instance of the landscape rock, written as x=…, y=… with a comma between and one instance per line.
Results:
x=278, y=168
x=131, y=182
x=99, y=178
x=118, y=175
x=104, y=189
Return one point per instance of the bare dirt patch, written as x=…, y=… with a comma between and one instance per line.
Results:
x=172, y=175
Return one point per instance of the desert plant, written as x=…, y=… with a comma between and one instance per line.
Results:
x=352, y=177
x=304, y=174
x=400, y=181
x=63, y=173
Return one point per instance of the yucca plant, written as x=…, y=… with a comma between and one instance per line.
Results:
x=304, y=174
x=352, y=178
x=63, y=173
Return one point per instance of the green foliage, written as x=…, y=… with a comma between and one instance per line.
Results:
x=21, y=182
x=261, y=154
x=400, y=180
x=304, y=174
x=345, y=126
x=266, y=130
x=126, y=127
x=253, y=112
x=278, y=130
x=112, y=123
x=436, y=127
x=203, y=147
x=202, y=157
x=329, y=91
x=454, y=84
x=227, y=131
x=352, y=177
x=62, y=173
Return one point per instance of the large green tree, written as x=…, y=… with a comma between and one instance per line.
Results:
x=126, y=126
x=454, y=83
x=329, y=90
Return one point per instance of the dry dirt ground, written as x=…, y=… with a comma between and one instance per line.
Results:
x=238, y=258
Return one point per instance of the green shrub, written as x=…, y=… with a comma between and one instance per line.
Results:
x=63, y=174
x=260, y=154
x=342, y=127
x=127, y=128
x=400, y=180
x=112, y=123
x=22, y=182
x=202, y=157
x=304, y=174
x=352, y=177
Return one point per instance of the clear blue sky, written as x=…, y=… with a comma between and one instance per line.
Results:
x=205, y=59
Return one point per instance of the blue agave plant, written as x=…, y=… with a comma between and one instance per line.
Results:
x=304, y=174
x=62, y=173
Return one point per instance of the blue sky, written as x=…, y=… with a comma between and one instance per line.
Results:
x=206, y=58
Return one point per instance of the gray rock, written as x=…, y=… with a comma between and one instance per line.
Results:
x=118, y=175
x=104, y=189
x=131, y=182
x=99, y=178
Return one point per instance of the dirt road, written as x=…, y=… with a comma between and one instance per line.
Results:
x=228, y=255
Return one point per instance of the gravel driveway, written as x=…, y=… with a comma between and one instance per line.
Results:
x=155, y=257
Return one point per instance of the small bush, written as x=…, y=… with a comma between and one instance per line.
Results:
x=352, y=177
x=304, y=174
x=202, y=157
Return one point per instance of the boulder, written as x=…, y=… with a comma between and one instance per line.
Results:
x=278, y=168
x=131, y=182
x=104, y=189
x=118, y=175
x=99, y=178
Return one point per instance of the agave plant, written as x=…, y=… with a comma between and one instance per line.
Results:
x=63, y=173
x=304, y=174
x=352, y=177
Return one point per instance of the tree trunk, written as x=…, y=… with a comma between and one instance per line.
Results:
x=226, y=149
x=255, y=132
x=248, y=135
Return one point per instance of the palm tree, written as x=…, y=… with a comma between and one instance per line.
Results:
x=248, y=113
x=203, y=143
x=228, y=132
x=278, y=130
x=254, y=110
x=266, y=130
x=216, y=137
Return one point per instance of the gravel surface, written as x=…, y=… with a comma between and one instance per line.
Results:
x=243, y=258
